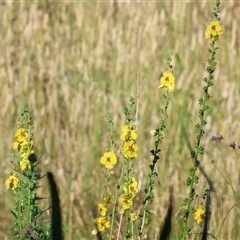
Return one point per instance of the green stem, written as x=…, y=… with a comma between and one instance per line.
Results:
x=29, y=204
x=198, y=149
x=155, y=153
x=145, y=207
x=115, y=202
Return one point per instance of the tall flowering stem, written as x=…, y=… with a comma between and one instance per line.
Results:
x=109, y=160
x=23, y=181
x=129, y=184
x=166, y=81
x=213, y=32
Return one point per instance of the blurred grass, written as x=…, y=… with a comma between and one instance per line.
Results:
x=75, y=62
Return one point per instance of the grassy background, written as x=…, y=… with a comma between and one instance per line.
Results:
x=75, y=62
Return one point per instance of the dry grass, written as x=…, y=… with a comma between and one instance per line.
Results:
x=75, y=62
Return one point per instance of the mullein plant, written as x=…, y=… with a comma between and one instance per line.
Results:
x=109, y=160
x=167, y=81
x=23, y=184
x=129, y=183
x=213, y=33
x=120, y=203
x=117, y=215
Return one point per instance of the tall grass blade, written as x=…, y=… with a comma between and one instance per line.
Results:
x=56, y=210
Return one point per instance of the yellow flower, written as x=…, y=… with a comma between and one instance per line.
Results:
x=21, y=135
x=102, y=223
x=128, y=133
x=20, y=141
x=12, y=182
x=25, y=164
x=109, y=159
x=129, y=149
x=25, y=153
x=153, y=132
x=199, y=214
x=25, y=144
x=102, y=209
x=167, y=81
x=214, y=30
x=15, y=145
x=125, y=201
x=19, y=145
x=131, y=188
x=133, y=216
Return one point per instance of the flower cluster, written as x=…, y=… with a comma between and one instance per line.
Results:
x=102, y=222
x=129, y=136
x=129, y=151
x=214, y=30
x=217, y=139
x=167, y=81
x=23, y=144
x=199, y=214
x=130, y=189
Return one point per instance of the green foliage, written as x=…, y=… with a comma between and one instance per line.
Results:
x=26, y=210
